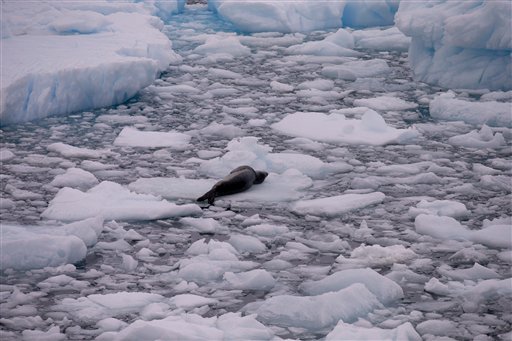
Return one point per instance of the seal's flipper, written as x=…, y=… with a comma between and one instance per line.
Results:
x=210, y=196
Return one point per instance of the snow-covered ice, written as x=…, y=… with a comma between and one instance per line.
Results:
x=51, y=63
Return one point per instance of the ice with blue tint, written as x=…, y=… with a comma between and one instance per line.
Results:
x=60, y=58
x=459, y=44
x=304, y=16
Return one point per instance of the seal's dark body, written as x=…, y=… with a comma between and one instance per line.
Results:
x=240, y=179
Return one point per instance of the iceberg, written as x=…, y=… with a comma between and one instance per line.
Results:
x=459, y=44
x=304, y=16
x=70, y=57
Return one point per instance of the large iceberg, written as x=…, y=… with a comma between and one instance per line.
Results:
x=63, y=57
x=304, y=15
x=459, y=44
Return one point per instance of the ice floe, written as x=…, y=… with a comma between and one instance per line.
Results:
x=113, y=202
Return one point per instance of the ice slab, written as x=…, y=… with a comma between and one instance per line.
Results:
x=371, y=129
x=35, y=247
x=491, y=113
x=346, y=331
x=72, y=57
x=188, y=327
x=288, y=186
x=353, y=70
x=76, y=178
x=337, y=205
x=483, y=138
x=114, y=202
x=492, y=235
x=317, y=312
x=385, y=103
x=132, y=137
x=448, y=208
x=463, y=44
x=247, y=151
x=383, y=288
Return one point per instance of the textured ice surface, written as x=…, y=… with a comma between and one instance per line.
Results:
x=131, y=137
x=346, y=331
x=492, y=113
x=112, y=201
x=462, y=44
x=336, y=128
x=337, y=205
x=34, y=247
x=51, y=64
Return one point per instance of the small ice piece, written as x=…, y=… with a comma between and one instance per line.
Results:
x=337, y=205
x=441, y=227
x=371, y=129
x=75, y=178
x=190, y=301
x=229, y=45
x=477, y=272
x=483, y=138
x=447, y=107
x=438, y=328
x=350, y=71
x=244, y=243
x=131, y=137
x=447, y=208
x=129, y=263
x=228, y=131
x=6, y=155
x=112, y=201
x=487, y=290
x=383, y=288
x=317, y=312
x=222, y=73
x=378, y=39
x=52, y=334
x=111, y=324
x=346, y=331
x=376, y=255
x=257, y=279
x=204, y=225
x=96, y=307
x=281, y=87
x=385, y=103
x=267, y=230
x=321, y=48
x=75, y=152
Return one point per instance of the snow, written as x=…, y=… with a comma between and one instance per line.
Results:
x=336, y=128
x=459, y=44
x=52, y=64
x=75, y=178
x=112, y=201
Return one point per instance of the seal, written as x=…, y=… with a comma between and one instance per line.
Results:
x=239, y=179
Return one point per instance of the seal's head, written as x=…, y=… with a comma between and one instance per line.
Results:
x=260, y=177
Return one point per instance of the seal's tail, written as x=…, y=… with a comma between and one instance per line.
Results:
x=210, y=196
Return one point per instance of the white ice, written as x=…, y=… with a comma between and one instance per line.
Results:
x=463, y=44
x=132, y=137
x=337, y=205
x=55, y=52
x=34, y=247
x=346, y=331
x=371, y=129
x=492, y=113
x=113, y=201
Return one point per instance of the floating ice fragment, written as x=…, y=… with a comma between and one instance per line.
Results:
x=131, y=137
x=346, y=331
x=114, y=202
x=337, y=205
